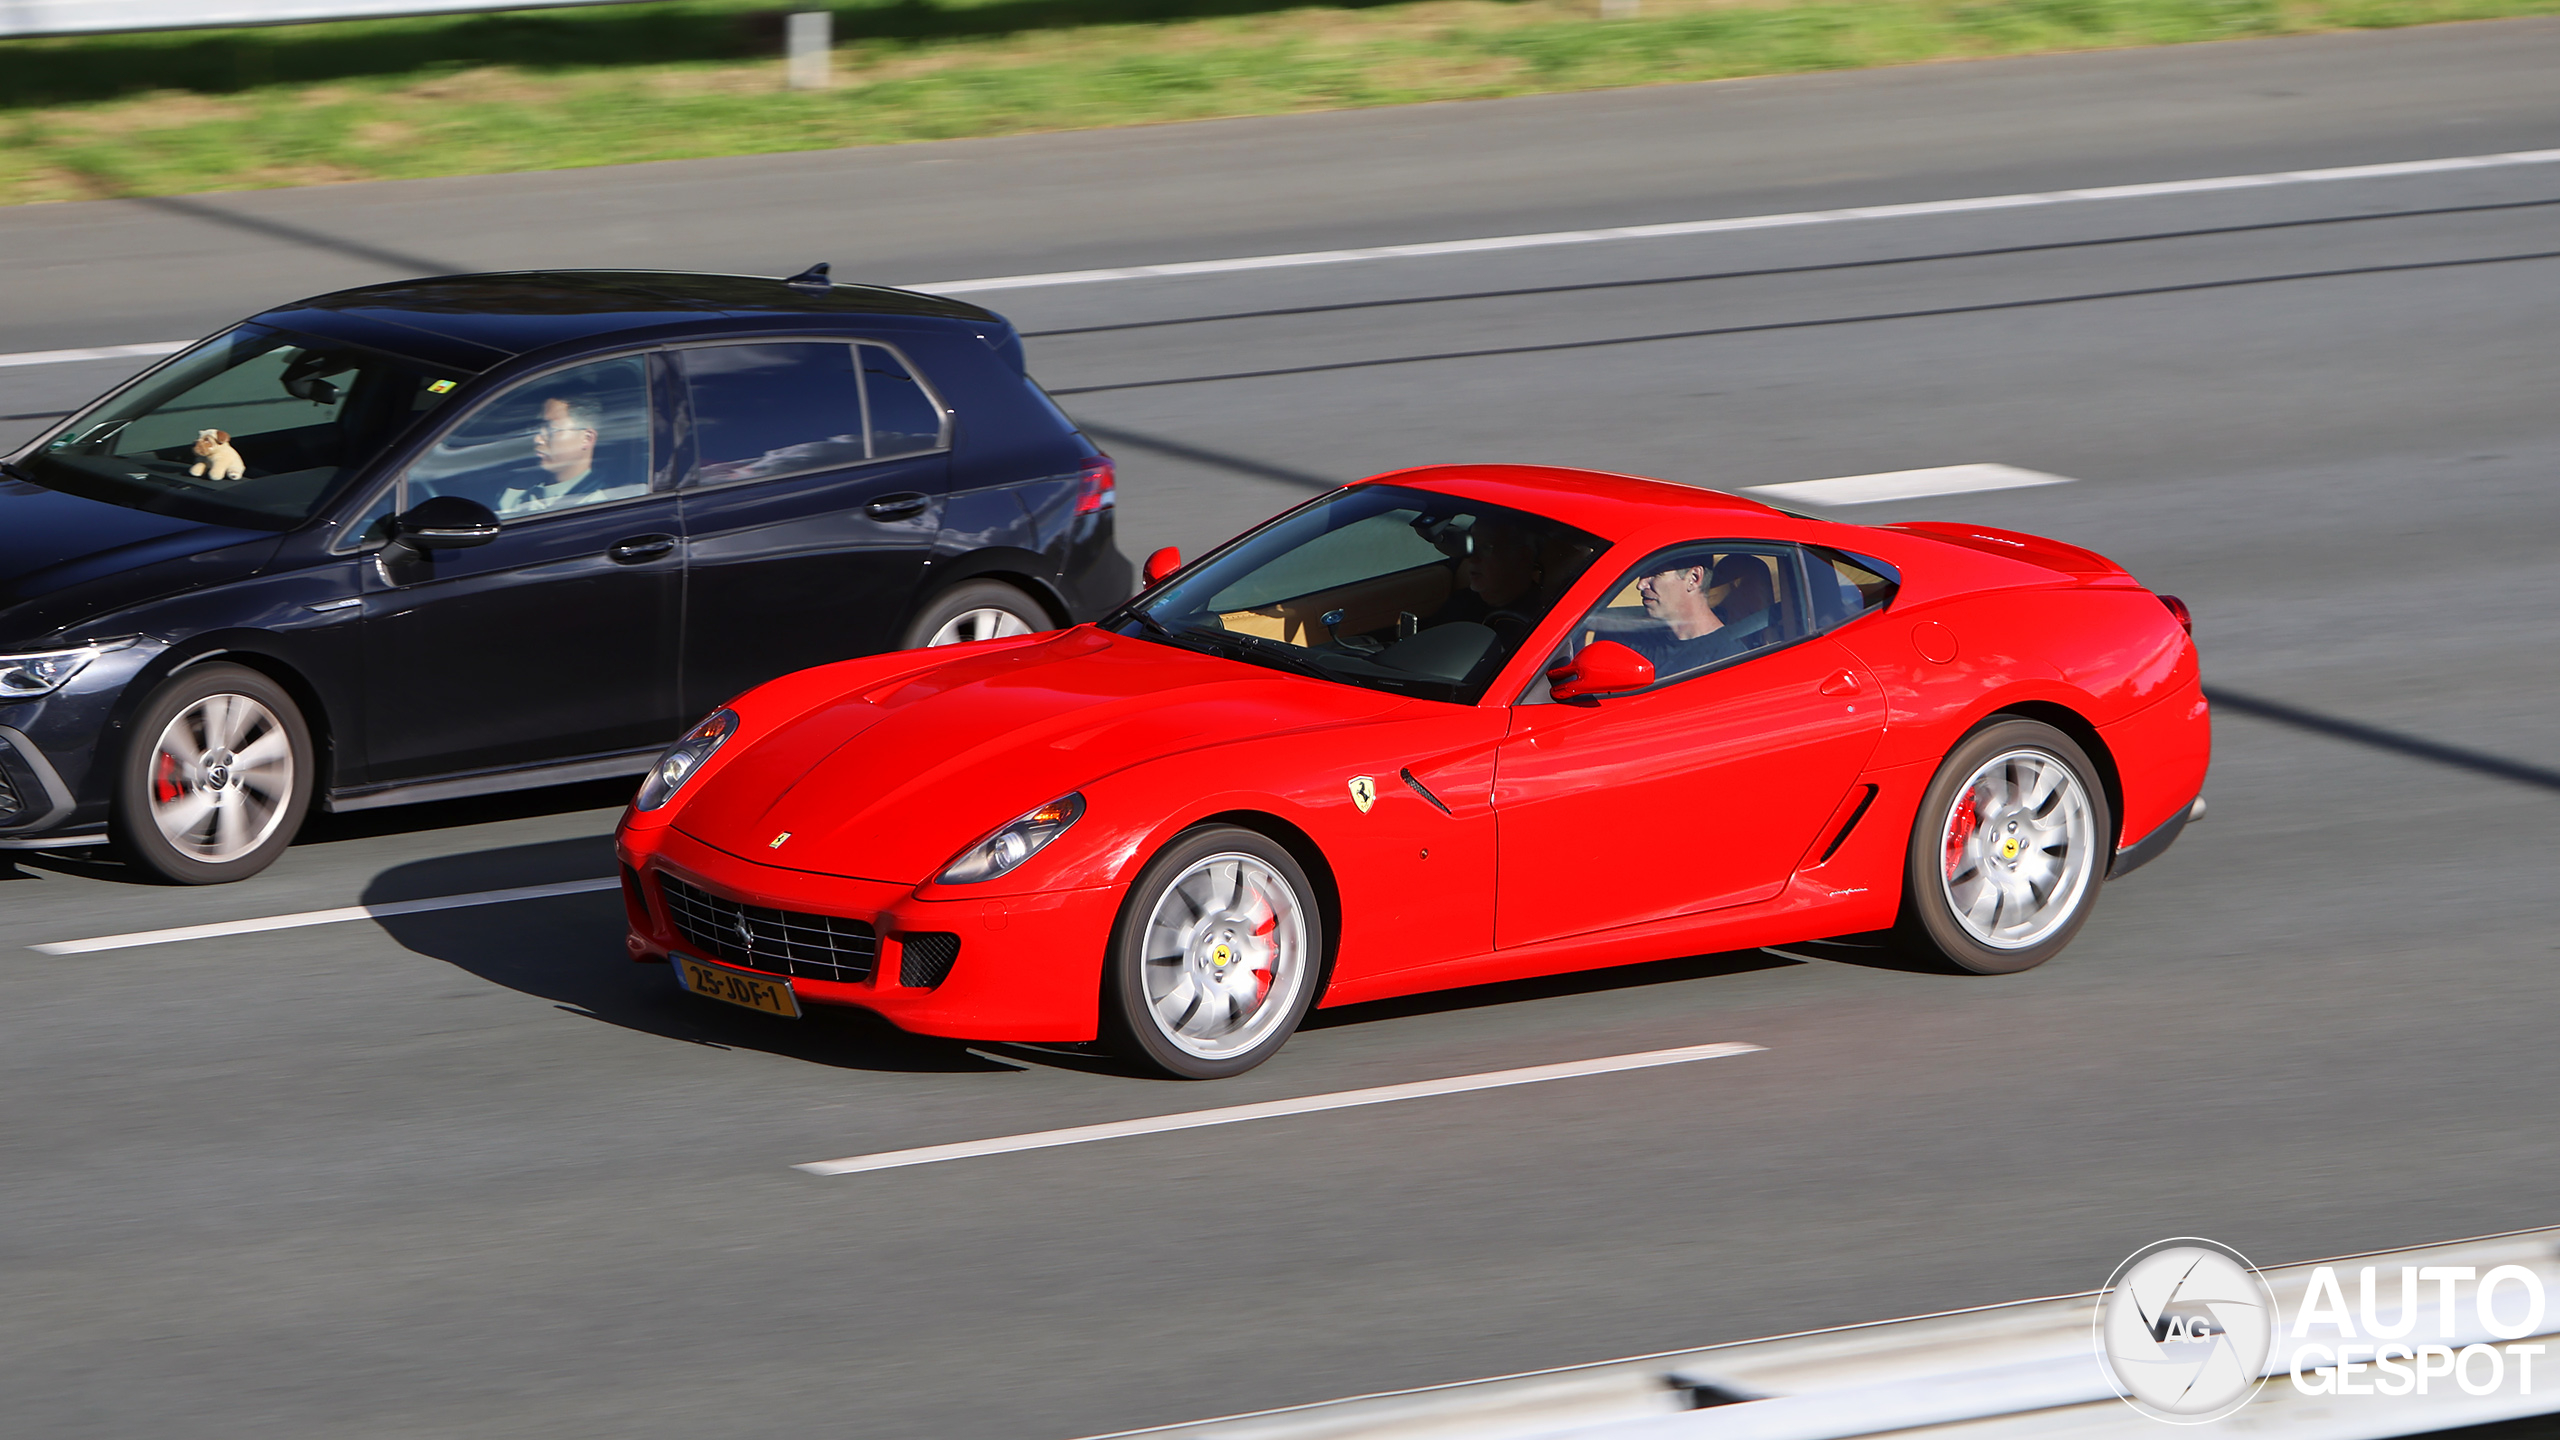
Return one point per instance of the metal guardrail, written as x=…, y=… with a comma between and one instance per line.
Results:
x=2004, y=1372
x=103, y=17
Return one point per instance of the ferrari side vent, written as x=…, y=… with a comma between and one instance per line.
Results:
x=780, y=942
x=926, y=959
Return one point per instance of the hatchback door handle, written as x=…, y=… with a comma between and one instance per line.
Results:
x=641, y=547
x=1844, y=683
x=897, y=507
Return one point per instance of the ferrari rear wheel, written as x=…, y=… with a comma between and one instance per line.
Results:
x=1214, y=960
x=2009, y=850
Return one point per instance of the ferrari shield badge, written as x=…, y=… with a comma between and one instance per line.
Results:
x=1364, y=792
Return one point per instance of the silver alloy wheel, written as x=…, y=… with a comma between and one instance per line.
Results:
x=1225, y=956
x=984, y=623
x=221, y=774
x=2018, y=845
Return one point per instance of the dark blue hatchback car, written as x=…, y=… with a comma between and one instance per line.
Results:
x=453, y=536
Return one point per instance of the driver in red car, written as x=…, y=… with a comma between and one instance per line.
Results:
x=1691, y=635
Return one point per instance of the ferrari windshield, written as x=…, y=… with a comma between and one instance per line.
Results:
x=254, y=427
x=1377, y=586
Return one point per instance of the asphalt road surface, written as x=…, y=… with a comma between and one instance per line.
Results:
x=469, y=1173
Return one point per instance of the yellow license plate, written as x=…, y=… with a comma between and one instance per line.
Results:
x=756, y=992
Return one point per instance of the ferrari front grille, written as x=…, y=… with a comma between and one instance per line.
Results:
x=779, y=942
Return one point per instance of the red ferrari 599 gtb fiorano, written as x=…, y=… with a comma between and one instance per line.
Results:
x=1445, y=726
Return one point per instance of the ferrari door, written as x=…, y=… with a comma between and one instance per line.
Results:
x=1699, y=793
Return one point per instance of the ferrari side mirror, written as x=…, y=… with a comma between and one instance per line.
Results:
x=1162, y=563
x=1604, y=667
x=445, y=522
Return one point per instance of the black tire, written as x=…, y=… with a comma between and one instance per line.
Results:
x=1957, y=863
x=1215, y=957
x=955, y=609
x=239, y=713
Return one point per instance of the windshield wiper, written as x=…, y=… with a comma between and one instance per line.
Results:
x=1191, y=640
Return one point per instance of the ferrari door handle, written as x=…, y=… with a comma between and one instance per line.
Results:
x=1844, y=683
x=897, y=507
x=641, y=548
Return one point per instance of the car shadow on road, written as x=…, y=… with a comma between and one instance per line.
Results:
x=568, y=949
x=1550, y=987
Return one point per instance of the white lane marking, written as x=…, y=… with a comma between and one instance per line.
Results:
x=1748, y=222
x=1589, y=237
x=151, y=348
x=1273, y=1109
x=1906, y=484
x=324, y=917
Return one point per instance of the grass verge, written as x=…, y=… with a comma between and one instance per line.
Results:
x=241, y=109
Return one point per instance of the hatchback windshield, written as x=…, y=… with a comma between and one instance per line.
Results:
x=255, y=427
x=1379, y=586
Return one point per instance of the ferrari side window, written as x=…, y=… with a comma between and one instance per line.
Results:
x=1695, y=608
x=1844, y=587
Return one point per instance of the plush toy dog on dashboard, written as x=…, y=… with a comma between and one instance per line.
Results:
x=214, y=453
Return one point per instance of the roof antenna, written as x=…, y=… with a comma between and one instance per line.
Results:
x=813, y=280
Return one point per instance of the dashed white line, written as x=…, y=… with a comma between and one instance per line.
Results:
x=1671, y=230
x=1906, y=484
x=323, y=917
x=1273, y=1109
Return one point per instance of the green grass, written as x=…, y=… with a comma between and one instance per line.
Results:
x=236, y=109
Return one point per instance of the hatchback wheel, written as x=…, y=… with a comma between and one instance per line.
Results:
x=977, y=610
x=1215, y=958
x=2009, y=850
x=218, y=778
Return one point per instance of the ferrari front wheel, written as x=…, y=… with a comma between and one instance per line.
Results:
x=1214, y=960
x=2008, y=851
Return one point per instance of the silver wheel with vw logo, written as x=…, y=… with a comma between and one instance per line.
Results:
x=221, y=777
x=1216, y=955
x=2010, y=847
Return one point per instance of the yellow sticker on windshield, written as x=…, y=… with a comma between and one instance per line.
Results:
x=439, y=387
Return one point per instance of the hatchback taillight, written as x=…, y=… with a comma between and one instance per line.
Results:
x=1097, y=487
x=2178, y=607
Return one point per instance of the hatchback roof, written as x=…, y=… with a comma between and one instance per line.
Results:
x=483, y=320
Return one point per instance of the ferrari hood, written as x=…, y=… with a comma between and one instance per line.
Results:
x=890, y=782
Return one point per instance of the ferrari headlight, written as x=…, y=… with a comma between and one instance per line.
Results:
x=44, y=671
x=1013, y=844
x=684, y=758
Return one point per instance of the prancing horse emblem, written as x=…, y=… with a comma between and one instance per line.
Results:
x=776, y=842
x=1364, y=792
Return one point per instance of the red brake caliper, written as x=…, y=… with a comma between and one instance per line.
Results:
x=1262, y=977
x=164, y=779
x=1960, y=828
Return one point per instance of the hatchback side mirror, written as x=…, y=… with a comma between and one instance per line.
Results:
x=1162, y=563
x=1604, y=667
x=445, y=522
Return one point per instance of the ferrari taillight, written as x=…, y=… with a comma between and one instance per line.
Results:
x=2178, y=607
x=1097, y=487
